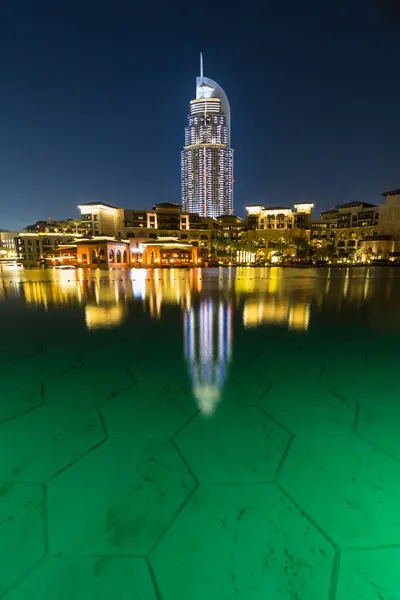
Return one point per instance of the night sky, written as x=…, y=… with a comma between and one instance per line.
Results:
x=94, y=98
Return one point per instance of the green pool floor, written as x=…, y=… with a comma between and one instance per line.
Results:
x=198, y=451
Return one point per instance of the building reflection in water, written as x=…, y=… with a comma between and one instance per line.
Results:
x=276, y=312
x=98, y=317
x=207, y=300
x=208, y=349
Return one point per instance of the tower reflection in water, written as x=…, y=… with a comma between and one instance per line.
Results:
x=208, y=349
x=207, y=302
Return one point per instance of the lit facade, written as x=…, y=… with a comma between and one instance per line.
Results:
x=207, y=158
x=164, y=253
x=166, y=220
x=273, y=223
x=103, y=253
x=38, y=248
x=264, y=218
x=9, y=247
x=98, y=218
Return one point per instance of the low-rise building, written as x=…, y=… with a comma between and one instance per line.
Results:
x=261, y=218
x=266, y=224
x=103, y=252
x=359, y=229
x=98, y=218
x=163, y=220
x=168, y=252
x=380, y=247
x=9, y=245
x=167, y=220
x=231, y=226
x=38, y=248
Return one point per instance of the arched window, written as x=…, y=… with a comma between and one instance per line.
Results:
x=111, y=256
x=94, y=257
x=125, y=257
x=102, y=256
x=204, y=237
x=118, y=256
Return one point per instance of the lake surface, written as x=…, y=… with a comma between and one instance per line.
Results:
x=214, y=434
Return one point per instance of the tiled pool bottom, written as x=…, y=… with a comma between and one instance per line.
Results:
x=126, y=476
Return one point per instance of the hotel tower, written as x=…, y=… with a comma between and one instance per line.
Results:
x=207, y=158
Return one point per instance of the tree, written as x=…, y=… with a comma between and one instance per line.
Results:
x=76, y=223
x=301, y=246
x=325, y=251
x=218, y=247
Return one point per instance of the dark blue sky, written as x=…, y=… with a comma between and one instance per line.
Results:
x=94, y=98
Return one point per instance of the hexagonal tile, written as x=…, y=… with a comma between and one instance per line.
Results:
x=308, y=407
x=147, y=413
x=362, y=382
x=380, y=424
x=101, y=578
x=88, y=386
x=22, y=532
x=17, y=397
x=40, y=443
x=369, y=575
x=233, y=446
x=118, y=499
x=347, y=486
x=245, y=542
x=21, y=393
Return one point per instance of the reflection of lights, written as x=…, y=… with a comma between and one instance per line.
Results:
x=299, y=316
x=271, y=311
x=346, y=283
x=207, y=397
x=366, y=284
x=207, y=342
x=139, y=284
x=97, y=317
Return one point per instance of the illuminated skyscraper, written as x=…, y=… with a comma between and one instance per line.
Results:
x=207, y=158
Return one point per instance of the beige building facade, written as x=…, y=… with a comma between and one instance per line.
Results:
x=98, y=218
x=103, y=253
x=38, y=248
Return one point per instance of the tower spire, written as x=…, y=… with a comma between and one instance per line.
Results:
x=201, y=64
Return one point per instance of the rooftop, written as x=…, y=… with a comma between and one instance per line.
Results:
x=354, y=204
x=98, y=204
x=392, y=193
x=167, y=205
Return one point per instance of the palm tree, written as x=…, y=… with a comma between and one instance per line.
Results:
x=301, y=246
x=76, y=223
x=218, y=247
x=326, y=251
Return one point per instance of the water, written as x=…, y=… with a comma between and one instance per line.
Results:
x=218, y=434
